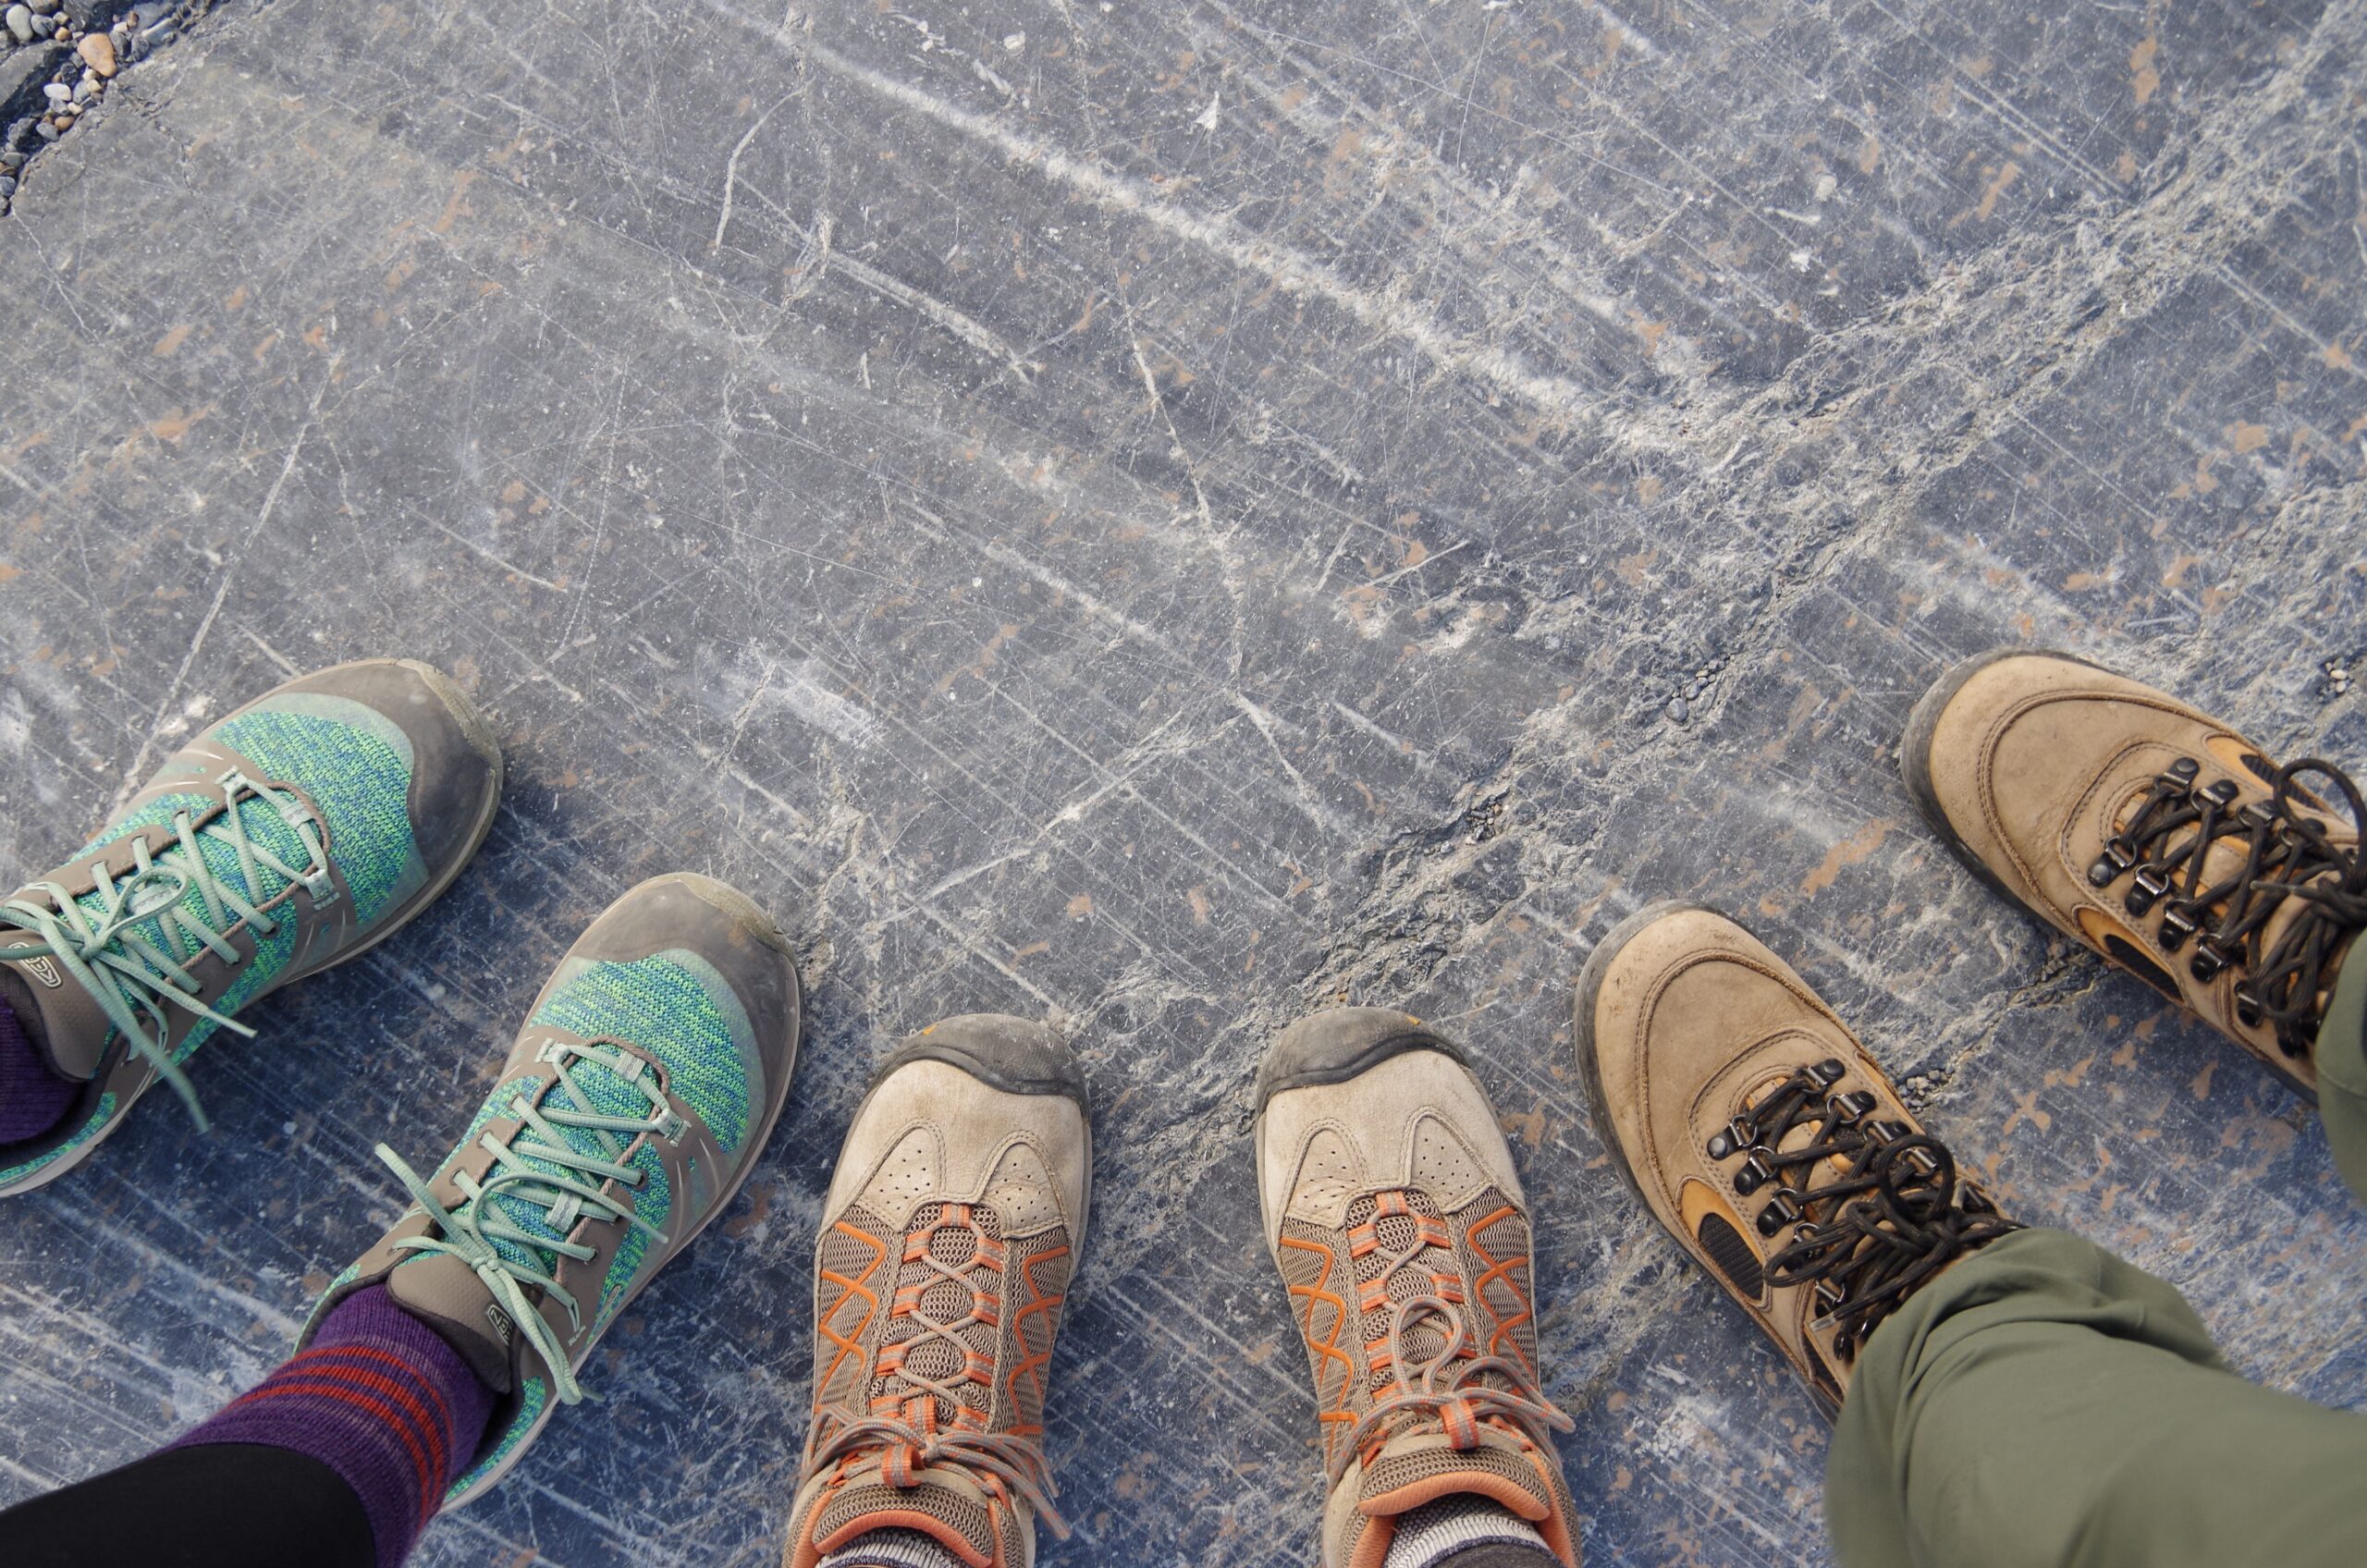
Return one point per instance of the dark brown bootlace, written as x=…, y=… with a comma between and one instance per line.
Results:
x=2286, y=854
x=1896, y=1215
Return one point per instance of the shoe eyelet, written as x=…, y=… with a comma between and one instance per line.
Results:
x=1851, y=1106
x=2146, y=891
x=1782, y=1209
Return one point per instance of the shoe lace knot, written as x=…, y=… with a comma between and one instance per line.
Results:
x=2286, y=855
x=1889, y=1215
x=1449, y=1384
x=926, y=1416
x=548, y=1175
x=129, y=943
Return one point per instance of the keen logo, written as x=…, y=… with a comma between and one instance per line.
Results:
x=502, y=1327
x=44, y=969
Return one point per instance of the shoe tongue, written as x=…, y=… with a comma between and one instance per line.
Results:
x=1420, y=1467
x=445, y=1294
x=938, y=1504
x=63, y=1021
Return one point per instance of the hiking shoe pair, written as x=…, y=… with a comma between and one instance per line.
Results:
x=952, y=1232
x=303, y=830
x=1759, y=1130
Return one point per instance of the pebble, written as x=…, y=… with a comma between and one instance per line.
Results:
x=11, y=160
x=1677, y=707
x=98, y=49
x=46, y=8
x=47, y=131
x=8, y=187
x=20, y=22
x=87, y=88
x=57, y=91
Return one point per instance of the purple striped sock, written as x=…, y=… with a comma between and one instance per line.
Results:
x=32, y=1099
x=379, y=1398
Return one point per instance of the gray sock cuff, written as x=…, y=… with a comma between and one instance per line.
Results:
x=892, y=1548
x=1465, y=1531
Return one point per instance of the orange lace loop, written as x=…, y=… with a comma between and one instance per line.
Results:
x=1448, y=1387
x=1460, y=1404
x=906, y=1426
x=1002, y=1464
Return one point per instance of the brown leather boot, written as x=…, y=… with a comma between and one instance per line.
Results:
x=1755, y=1127
x=2153, y=833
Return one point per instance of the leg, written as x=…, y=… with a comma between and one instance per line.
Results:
x=2342, y=1072
x=340, y=1457
x=2006, y=1398
x=2044, y=1402
x=235, y=1506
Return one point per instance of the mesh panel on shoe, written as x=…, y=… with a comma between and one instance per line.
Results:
x=1493, y=1238
x=966, y=1239
x=855, y=1275
x=1313, y=1264
x=607, y=1094
x=957, y=1337
x=268, y=831
x=1035, y=1287
x=360, y=783
x=665, y=1010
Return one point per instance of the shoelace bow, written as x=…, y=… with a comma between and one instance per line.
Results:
x=1894, y=1214
x=1006, y=1463
x=1459, y=1403
x=914, y=1439
x=135, y=980
x=516, y=1189
x=2286, y=854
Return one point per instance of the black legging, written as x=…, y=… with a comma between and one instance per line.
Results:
x=232, y=1505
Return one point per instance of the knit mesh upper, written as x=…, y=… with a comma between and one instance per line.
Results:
x=678, y=1016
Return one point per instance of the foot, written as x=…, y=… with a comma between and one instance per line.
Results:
x=1761, y=1134
x=309, y=824
x=2153, y=833
x=1392, y=1207
x=632, y=1105
x=949, y=1238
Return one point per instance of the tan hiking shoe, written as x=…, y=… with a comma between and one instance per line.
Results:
x=1757, y=1131
x=949, y=1238
x=2153, y=833
x=1392, y=1207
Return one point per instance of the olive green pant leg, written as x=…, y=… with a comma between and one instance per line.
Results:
x=2341, y=1056
x=2043, y=1404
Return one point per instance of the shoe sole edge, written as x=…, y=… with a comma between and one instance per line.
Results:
x=1915, y=757
x=1589, y=992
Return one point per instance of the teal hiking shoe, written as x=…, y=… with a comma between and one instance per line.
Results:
x=632, y=1109
x=303, y=828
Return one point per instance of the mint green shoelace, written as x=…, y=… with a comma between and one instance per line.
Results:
x=133, y=979
x=563, y=1197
